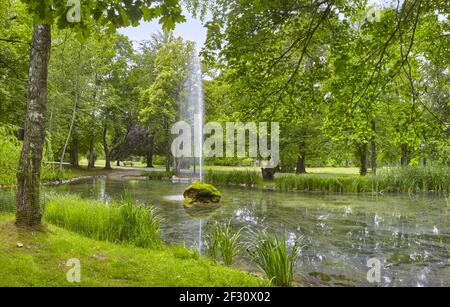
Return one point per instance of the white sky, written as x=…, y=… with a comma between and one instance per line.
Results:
x=191, y=30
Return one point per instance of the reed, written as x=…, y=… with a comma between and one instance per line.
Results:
x=122, y=221
x=224, y=241
x=271, y=254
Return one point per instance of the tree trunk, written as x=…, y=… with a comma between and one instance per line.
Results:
x=374, y=152
x=106, y=149
x=269, y=173
x=301, y=166
x=74, y=162
x=28, y=211
x=91, y=154
x=405, y=153
x=74, y=112
x=167, y=145
x=150, y=153
x=363, y=150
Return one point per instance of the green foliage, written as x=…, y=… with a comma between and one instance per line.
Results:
x=159, y=175
x=224, y=241
x=10, y=149
x=388, y=180
x=270, y=252
x=247, y=178
x=117, y=222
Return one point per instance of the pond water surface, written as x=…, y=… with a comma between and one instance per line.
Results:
x=410, y=235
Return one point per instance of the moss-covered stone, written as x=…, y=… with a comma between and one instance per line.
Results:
x=201, y=193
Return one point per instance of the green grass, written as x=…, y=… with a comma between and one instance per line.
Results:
x=247, y=178
x=334, y=170
x=224, y=241
x=388, y=180
x=42, y=262
x=117, y=222
x=270, y=253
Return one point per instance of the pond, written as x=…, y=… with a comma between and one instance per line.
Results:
x=410, y=235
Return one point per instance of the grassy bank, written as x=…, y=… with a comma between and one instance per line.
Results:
x=42, y=262
x=388, y=180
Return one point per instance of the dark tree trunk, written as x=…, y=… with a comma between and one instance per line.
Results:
x=74, y=162
x=363, y=151
x=373, y=148
x=106, y=149
x=269, y=173
x=150, y=153
x=118, y=163
x=29, y=171
x=91, y=154
x=301, y=166
x=405, y=155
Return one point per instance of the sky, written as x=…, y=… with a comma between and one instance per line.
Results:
x=191, y=30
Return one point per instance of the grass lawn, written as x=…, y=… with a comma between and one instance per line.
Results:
x=333, y=170
x=42, y=262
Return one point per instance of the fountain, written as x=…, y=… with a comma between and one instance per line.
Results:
x=192, y=112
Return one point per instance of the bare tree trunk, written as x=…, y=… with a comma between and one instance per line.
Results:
x=28, y=211
x=374, y=152
x=301, y=166
x=363, y=151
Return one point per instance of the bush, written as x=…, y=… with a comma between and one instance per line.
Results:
x=118, y=222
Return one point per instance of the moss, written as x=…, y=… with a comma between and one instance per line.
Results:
x=201, y=193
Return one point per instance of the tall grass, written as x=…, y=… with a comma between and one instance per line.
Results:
x=118, y=222
x=159, y=175
x=247, y=178
x=270, y=253
x=388, y=180
x=224, y=241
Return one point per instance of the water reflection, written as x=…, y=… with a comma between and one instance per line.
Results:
x=411, y=236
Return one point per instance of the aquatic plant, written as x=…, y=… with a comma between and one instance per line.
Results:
x=270, y=253
x=388, y=180
x=224, y=241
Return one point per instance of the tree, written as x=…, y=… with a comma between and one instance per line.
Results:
x=160, y=101
x=111, y=14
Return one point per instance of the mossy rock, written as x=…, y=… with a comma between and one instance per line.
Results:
x=201, y=193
